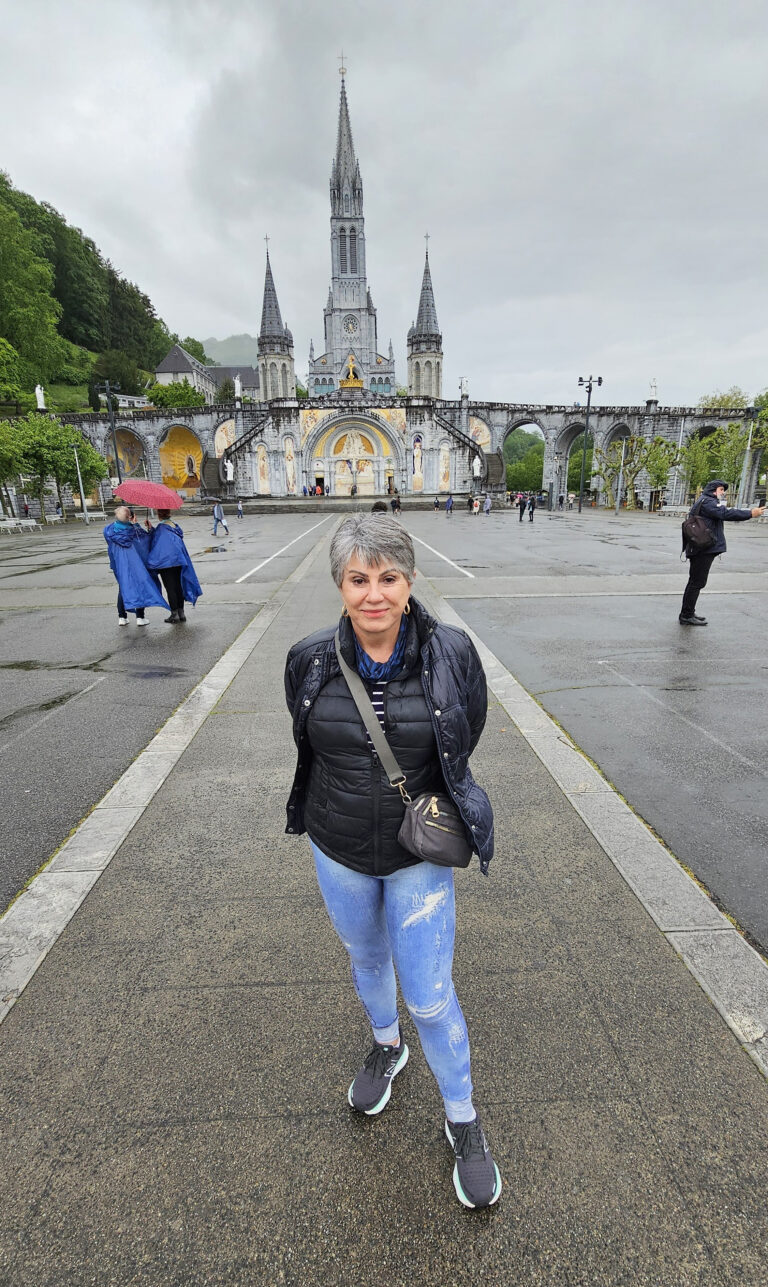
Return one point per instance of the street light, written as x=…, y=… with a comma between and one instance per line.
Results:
x=587, y=384
x=80, y=481
x=105, y=387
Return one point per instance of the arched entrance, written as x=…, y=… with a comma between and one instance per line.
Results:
x=181, y=459
x=523, y=450
x=354, y=456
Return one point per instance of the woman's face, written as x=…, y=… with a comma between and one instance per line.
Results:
x=374, y=596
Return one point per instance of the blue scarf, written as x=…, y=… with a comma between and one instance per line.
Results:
x=367, y=668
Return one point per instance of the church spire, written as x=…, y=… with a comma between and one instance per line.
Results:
x=346, y=183
x=426, y=320
x=271, y=321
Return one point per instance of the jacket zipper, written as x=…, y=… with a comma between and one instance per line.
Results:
x=376, y=796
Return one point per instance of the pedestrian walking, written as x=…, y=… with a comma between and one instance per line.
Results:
x=470, y=501
x=26, y=509
x=218, y=517
x=169, y=557
x=305, y=491
x=393, y=911
x=436, y=505
x=476, y=505
x=521, y=504
x=239, y=507
x=448, y=505
x=571, y=499
x=531, y=507
x=487, y=503
x=713, y=508
x=561, y=501
x=128, y=549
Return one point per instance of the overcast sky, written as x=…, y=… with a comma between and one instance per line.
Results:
x=592, y=175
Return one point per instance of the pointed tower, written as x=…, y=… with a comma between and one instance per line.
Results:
x=277, y=374
x=350, y=317
x=425, y=345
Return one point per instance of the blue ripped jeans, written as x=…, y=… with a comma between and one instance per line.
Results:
x=405, y=921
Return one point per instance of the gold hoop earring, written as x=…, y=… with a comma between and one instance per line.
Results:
x=344, y=612
x=407, y=610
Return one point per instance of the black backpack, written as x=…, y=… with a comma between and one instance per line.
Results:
x=697, y=534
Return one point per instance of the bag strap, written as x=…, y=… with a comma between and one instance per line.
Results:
x=370, y=719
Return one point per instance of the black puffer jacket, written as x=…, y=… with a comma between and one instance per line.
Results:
x=435, y=710
x=715, y=513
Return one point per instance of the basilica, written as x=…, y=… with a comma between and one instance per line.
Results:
x=358, y=432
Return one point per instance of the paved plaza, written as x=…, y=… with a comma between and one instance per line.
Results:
x=173, y=1075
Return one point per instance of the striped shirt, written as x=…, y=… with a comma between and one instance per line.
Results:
x=376, y=693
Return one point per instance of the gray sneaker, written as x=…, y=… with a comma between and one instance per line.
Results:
x=372, y=1087
x=476, y=1176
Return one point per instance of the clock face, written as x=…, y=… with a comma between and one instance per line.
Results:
x=350, y=324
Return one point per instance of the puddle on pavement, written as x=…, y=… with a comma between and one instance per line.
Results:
x=215, y=549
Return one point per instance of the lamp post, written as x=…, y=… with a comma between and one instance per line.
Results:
x=80, y=483
x=110, y=411
x=752, y=413
x=621, y=475
x=587, y=384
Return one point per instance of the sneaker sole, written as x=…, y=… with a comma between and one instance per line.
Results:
x=382, y=1104
x=460, y=1194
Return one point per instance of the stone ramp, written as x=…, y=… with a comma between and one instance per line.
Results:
x=173, y=1079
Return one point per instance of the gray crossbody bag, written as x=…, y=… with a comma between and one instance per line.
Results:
x=431, y=828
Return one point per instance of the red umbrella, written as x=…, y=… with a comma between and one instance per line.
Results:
x=140, y=491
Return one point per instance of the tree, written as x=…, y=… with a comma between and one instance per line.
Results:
x=526, y=474
x=574, y=463
x=718, y=401
x=195, y=347
x=175, y=395
x=45, y=447
x=727, y=448
x=226, y=391
x=662, y=456
x=10, y=461
x=606, y=466
x=694, y=464
x=10, y=387
x=28, y=311
x=518, y=443
x=118, y=368
x=301, y=392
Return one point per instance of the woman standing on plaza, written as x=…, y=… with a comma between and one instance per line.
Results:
x=392, y=910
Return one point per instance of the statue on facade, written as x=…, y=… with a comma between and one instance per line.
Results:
x=40, y=395
x=229, y=470
x=464, y=387
x=238, y=387
x=477, y=468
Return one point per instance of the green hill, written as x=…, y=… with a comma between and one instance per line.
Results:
x=236, y=350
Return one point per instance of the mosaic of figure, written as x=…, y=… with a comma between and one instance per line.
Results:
x=445, y=467
x=290, y=468
x=418, y=477
x=262, y=466
x=224, y=437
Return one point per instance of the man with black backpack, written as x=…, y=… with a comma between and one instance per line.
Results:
x=702, y=542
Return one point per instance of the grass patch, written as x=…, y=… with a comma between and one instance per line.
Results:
x=67, y=397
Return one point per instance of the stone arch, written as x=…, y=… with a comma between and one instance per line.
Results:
x=523, y=423
x=181, y=459
x=289, y=455
x=437, y=379
x=284, y=380
x=417, y=378
x=274, y=388
x=428, y=379
x=320, y=458
x=131, y=452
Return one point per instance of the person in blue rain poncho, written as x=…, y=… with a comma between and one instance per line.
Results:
x=128, y=549
x=169, y=556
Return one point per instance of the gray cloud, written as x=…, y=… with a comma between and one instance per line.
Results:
x=592, y=175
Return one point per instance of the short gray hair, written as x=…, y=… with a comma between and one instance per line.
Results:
x=374, y=539
x=123, y=513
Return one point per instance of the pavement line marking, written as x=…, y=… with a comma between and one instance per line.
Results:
x=285, y=547
x=51, y=713
x=35, y=920
x=443, y=556
x=743, y=759
x=730, y=972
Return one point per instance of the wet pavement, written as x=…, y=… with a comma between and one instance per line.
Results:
x=81, y=697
